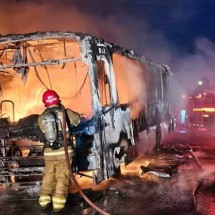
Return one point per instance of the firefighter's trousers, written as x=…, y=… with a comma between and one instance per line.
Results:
x=55, y=184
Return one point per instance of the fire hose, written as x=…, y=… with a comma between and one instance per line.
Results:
x=72, y=177
x=200, y=167
x=194, y=156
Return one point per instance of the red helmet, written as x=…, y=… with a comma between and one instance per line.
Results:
x=50, y=97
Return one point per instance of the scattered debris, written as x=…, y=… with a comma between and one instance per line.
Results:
x=157, y=173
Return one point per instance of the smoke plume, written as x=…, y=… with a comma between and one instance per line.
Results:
x=119, y=22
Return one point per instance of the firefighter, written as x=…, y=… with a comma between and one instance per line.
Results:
x=56, y=179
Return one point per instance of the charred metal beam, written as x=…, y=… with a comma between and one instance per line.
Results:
x=32, y=133
x=42, y=63
x=12, y=106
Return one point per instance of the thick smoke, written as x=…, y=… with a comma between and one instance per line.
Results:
x=119, y=22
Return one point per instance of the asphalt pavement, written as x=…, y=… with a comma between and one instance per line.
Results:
x=179, y=180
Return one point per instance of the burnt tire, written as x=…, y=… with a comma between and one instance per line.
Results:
x=113, y=161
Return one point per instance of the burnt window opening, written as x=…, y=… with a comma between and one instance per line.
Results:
x=152, y=85
x=20, y=57
x=103, y=84
x=53, y=63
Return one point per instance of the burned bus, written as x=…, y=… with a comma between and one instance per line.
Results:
x=122, y=98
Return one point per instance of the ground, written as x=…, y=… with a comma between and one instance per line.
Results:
x=178, y=180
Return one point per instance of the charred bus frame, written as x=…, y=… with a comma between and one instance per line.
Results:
x=119, y=119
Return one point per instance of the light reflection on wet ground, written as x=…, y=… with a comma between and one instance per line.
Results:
x=130, y=194
x=205, y=195
x=133, y=194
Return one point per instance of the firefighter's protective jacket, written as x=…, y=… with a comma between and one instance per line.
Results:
x=59, y=154
x=56, y=174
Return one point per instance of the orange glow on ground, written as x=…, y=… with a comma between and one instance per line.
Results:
x=132, y=169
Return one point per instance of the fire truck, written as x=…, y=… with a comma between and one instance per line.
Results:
x=201, y=110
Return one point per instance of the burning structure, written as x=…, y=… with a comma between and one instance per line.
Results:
x=121, y=96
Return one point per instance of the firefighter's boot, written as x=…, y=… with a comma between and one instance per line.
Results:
x=44, y=201
x=58, y=203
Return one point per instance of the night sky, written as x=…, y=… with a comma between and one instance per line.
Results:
x=179, y=33
x=183, y=22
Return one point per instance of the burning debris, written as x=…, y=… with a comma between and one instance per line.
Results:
x=155, y=172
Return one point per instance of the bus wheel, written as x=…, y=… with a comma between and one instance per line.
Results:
x=118, y=158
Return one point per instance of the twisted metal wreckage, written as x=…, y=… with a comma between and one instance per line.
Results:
x=121, y=96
